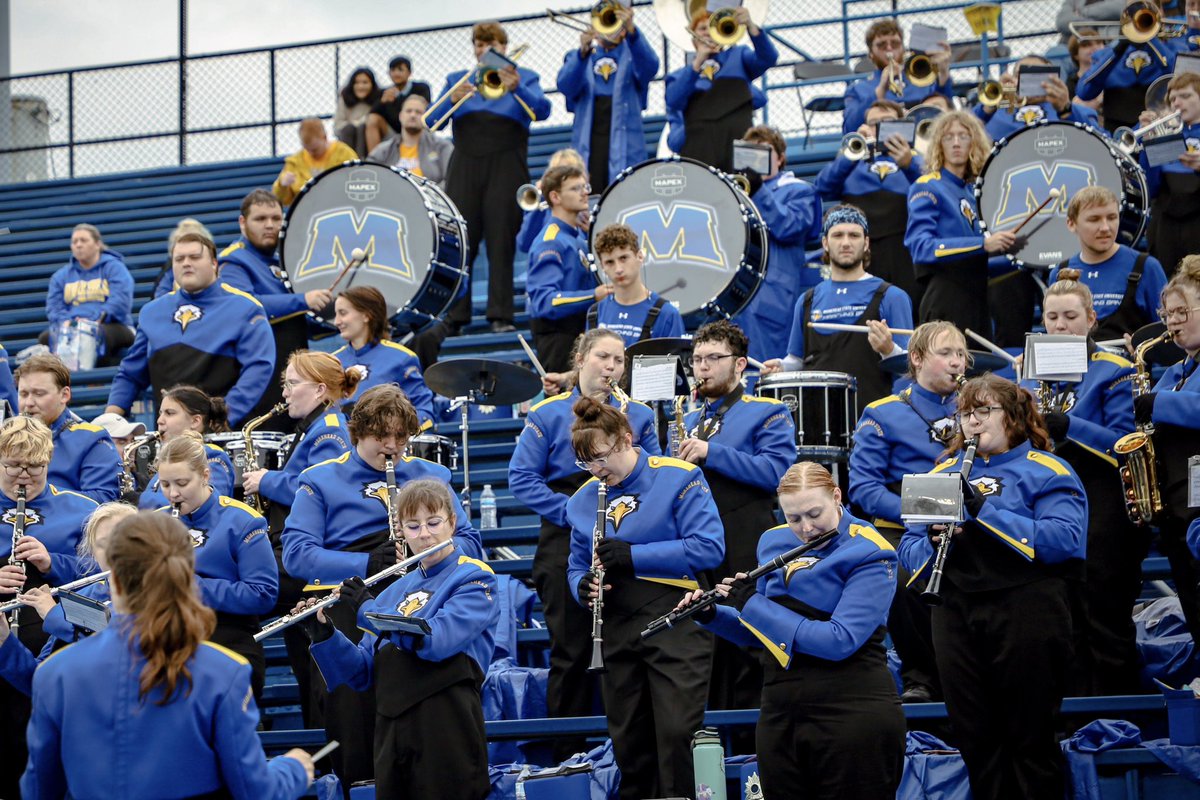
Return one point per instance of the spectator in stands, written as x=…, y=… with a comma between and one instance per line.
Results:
x=885, y=48
x=206, y=334
x=1086, y=11
x=632, y=310
x=165, y=282
x=384, y=119
x=85, y=459
x=251, y=265
x=604, y=84
x=879, y=185
x=316, y=155
x=792, y=211
x=1022, y=112
x=415, y=147
x=8, y=389
x=95, y=285
x=491, y=141
x=1175, y=187
x=711, y=100
x=354, y=104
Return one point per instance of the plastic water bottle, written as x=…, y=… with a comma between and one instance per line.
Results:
x=708, y=763
x=487, y=508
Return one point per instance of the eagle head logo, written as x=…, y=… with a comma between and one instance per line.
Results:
x=989, y=486
x=186, y=314
x=804, y=562
x=377, y=490
x=1137, y=60
x=32, y=517
x=621, y=507
x=412, y=603
x=710, y=68
x=942, y=430
x=967, y=210
x=199, y=537
x=883, y=169
x=605, y=68
x=1192, y=144
x=1030, y=114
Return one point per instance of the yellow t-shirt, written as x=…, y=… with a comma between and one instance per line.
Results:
x=410, y=159
x=305, y=168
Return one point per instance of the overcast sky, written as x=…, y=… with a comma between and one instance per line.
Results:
x=57, y=34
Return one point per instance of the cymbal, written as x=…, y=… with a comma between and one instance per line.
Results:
x=659, y=347
x=1163, y=354
x=484, y=380
x=982, y=361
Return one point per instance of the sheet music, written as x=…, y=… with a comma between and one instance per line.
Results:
x=653, y=378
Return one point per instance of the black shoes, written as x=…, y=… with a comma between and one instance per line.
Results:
x=916, y=693
x=500, y=326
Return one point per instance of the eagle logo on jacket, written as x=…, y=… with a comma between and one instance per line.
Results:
x=883, y=169
x=412, y=603
x=199, y=537
x=989, y=486
x=1030, y=114
x=1137, y=60
x=710, y=68
x=605, y=67
x=186, y=314
x=32, y=517
x=968, y=211
x=621, y=507
x=377, y=490
x=804, y=562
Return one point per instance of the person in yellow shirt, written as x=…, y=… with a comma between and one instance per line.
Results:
x=317, y=155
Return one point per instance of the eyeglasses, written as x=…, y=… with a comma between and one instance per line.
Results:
x=950, y=138
x=296, y=384
x=32, y=470
x=1172, y=314
x=712, y=360
x=431, y=524
x=598, y=462
x=981, y=413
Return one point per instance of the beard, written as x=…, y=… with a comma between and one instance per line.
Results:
x=713, y=388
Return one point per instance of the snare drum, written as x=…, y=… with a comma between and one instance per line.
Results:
x=705, y=243
x=1024, y=167
x=269, y=448
x=823, y=408
x=414, y=238
x=431, y=447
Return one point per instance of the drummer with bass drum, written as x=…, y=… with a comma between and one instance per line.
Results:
x=184, y=408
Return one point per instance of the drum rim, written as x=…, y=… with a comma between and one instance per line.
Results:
x=779, y=378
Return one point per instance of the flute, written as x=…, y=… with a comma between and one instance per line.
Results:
x=597, y=664
x=54, y=590
x=287, y=620
x=712, y=596
x=933, y=590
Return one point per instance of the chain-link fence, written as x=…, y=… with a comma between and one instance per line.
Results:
x=247, y=104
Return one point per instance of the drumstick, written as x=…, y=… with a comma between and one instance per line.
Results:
x=1112, y=343
x=1054, y=193
x=326, y=750
x=754, y=362
x=837, y=326
x=994, y=348
x=533, y=358
x=357, y=257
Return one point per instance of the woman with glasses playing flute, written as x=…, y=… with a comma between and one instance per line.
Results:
x=427, y=675
x=1002, y=633
x=661, y=532
x=187, y=408
x=831, y=721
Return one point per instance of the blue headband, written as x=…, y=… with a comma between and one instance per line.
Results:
x=845, y=215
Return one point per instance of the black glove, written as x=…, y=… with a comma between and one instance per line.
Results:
x=1057, y=424
x=706, y=614
x=740, y=592
x=754, y=178
x=584, y=590
x=1143, y=408
x=315, y=630
x=616, y=556
x=972, y=499
x=381, y=558
x=354, y=593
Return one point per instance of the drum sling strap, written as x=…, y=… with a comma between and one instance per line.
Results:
x=849, y=352
x=1127, y=317
x=593, y=317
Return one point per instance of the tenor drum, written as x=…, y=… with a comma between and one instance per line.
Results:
x=823, y=409
x=431, y=447
x=414, y=238
x=1024, y=167
x=705, y=243
x=269, y=449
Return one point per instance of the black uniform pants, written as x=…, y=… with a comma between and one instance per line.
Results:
x=1004, y=657
x=554, y=340
x=909, y=626
x=891, y=261
x=1185, y=570
x=654, y=693
x=14, y=719
x=349, y=715
x=956, y=293
x=1011, y=300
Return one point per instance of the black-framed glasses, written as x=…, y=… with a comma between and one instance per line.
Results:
x=982, y=413
x=599, y=462
x=32, y=470
x=1172, y=314
x=711, y=360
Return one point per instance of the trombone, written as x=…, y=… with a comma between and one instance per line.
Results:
x=604, y=20
x=486, y=79
x=1139, y=23
x=1129, y=140
x=724, y=29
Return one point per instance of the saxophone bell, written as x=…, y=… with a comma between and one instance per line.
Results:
x=255, y=500
x=1139, y=474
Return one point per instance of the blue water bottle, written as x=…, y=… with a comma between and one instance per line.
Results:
x=708, y=762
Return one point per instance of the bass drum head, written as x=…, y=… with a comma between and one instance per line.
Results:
x=413, y=237
x=703, y=239
x=1023, y=168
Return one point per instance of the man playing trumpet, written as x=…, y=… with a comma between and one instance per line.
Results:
x=885, y=48
x=1014, y=112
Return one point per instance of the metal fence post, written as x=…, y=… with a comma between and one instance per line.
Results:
x=274, y=148
x=182, y=82
x=71, y=123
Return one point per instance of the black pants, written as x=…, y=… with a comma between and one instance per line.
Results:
x=14, y=719
x=909, y=626
x=349, y=715
x=1185, y=570
x=958, y=294
x=116, y=337
x=355, y=136
x=240, y=639
x=570, y=691
x=1004, y=657
x=554, y=340
x=891, y=261
x=1011, y=300
x=654, y=693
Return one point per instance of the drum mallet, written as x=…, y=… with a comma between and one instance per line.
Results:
x=994, y=348
x=357, y=257
x=537, y=365
x=837, y=326
x=1054, y=193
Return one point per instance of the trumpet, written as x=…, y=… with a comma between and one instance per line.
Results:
x=529, y=198
x=486, y=79
x=993, y=94
x=1129, y=140
x=12, y=605
x=597, y=664
x=288, y=620
x=604, y=20
x=919, y=70
x=856, y=147
x=1139, y=23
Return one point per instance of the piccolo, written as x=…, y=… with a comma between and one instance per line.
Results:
x=287, y=620
x=54, y=590
x=712, y=596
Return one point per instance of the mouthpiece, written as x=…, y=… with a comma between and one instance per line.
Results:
x=358, y=254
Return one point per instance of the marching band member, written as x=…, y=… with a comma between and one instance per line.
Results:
x=849, y=296
x=792, y=213
x=632, y=310
x=53, y=524
x=1175, y=188
x=1055, y=104
x=147, y=702
x=664, y=534
x=85, y=459
x=948, y=249
x=711, y=101
x=361, y=317
x=235, y=566
x=427, y=682
x=897, y=435
x=543, y=474
x=830, y=718
x=1002, y=636
x=534, y=219
x=187, y=408
x=605, y=84
x=1085, y=420
x=1124, y=283
x=885, y=48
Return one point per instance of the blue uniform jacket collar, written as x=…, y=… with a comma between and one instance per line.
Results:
x=933, y=397
x=449, y=562
x=1017, y=453
x=953, y=179
x=633, y=476
x=268, y=257
x=67, y=417
x=201, y=515
x=366, y=348
x=360, y=463
x=204, y=294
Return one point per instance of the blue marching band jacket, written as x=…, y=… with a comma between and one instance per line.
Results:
x=325, y=437
x=754, y=442
x=943, y=221
x=220, y=478
x=524, y=105
x=85, y=459
x=560, y=282
x=389, y=362
x=258, y=274
x=1001, y=123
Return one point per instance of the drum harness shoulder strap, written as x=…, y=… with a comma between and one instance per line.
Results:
x=710, y=425
x=1127, y=316
x=593, y=317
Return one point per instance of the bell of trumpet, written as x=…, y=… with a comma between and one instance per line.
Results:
x=992, y=94
x=529, y=197
x=605, y=20
x=856, y=147
x=675, y=17
x=488, y=83
x=1139, y=23
x=919, y=70
x=724, y=29
x=1129, y=140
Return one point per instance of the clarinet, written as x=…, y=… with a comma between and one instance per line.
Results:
x=175, y=510
x=389, y=469
x=712, y=596
x=597, y=664
x=18, y=532
x=933, y=591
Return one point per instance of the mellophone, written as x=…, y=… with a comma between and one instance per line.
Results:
x=712, y=596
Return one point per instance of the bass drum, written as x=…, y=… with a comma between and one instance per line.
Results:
x=705, y=243
x=413, y=236
x=1023, y=168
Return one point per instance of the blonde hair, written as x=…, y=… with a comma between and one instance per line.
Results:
x=806, y=475
x=921, y=342
x=106, y=512
x=26, y=439
x=186, y=448
x=1067, y=284
x=1090, y=197
x=981, y=143
x=187, y=225
x=428, y=494
x=1187, y=276
x=567, y=157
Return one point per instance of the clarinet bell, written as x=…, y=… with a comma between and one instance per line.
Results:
x=931, y=598
x=597, y=665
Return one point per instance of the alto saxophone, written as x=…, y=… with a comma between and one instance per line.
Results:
x=128, y=482
x=678, y=431
x=1139, y=476
x=250, y=457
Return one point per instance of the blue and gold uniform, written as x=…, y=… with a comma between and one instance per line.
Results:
x=389, y=362
x=1121, y=73
x=8, y=389
x=1125, y=289
x=425, y=683
x=85, y=460
x=1004, y=122
x=654, y=690
x=629, y=322
x=17, y=663
x=217, y=339
x=1175, y=194
x=831, y=721
x=860, y=95
x=561, y=288
x=323, y=435
x=91, y=736
x=220, y=478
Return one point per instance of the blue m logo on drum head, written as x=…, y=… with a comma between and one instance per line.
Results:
x=681, y=232
x=1025, y=187
x=333, y=235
